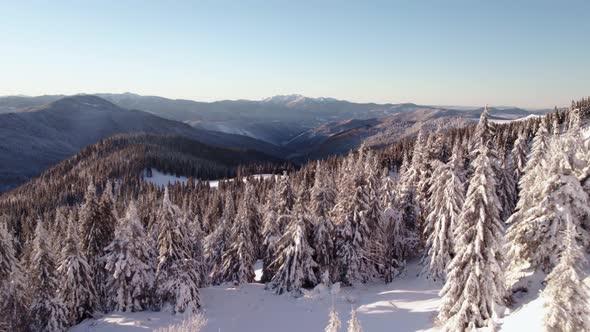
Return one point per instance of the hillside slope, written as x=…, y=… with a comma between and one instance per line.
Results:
x=32, y=140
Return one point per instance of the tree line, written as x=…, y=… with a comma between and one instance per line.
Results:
x=478, y=205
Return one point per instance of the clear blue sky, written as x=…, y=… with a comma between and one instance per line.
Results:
x=522, y=53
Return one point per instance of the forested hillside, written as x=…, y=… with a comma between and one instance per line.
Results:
x=481, y=206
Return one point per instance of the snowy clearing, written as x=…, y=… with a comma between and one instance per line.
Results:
x=410, y=303
x=162, y=179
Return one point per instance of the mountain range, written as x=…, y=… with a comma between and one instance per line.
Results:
x=37, y=132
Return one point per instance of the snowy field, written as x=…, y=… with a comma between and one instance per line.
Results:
x=162, y=179
x=408, y=304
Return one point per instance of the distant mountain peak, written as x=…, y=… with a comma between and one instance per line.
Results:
x=294, y=100
x=84, y=101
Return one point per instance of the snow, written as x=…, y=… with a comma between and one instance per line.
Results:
x=409, y=303
x=258, y=270
x=528, y=117
x=162, y=179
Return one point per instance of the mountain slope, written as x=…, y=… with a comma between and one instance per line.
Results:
x=39, y=137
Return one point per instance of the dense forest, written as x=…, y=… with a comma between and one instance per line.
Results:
x=477, y=205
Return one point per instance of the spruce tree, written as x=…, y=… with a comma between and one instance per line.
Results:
x=176, y=277
x=239, y=258
x=97, y=223
x=519, y=155
x=507, y=187
x=446, y=201
x=475, y=282
x=271, y=234
x=533, y=240
x=322, y=201
x=567, y=295
x=77, y=290
x=128, y=264
x=352, y=231
x=397, y=239
x=13, y=307
x=217, y=242
x=295, y=256
x=48, y=313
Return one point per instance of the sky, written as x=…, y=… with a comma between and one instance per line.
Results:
x=531, y=54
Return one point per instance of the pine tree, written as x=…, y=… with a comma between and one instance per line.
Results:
x=271, y=234
x=417, y=180
x=322, y=201
x=77, y=290
x=446, y=201
x=238, y=259
x=97, y=223
x=507, y=187
x=519, y=155
x=48, y=313
x=533, y=239
x=176, y=276
x=408, y=202
x=354, y=324
x=567, y=295
x=13, y=307
x=295, y=255
x=397, y=239
x=475, y=281
x=333, y=321
x=352, y=231
x=128, y=264
x=217, y=242
x=374, y=213
x=532, y=172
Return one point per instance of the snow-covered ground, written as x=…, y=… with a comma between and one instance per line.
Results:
x=162, y=179
x=517, y=119
x=408, y=304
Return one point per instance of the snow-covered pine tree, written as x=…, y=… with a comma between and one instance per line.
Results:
x=59, y=229
x=354, y=324
x=77, y=290
x=475, y=281
x=271, y=234
x=558, y=195
x=97, y=222
x=216, y=243
x=446, y=201
x=285, y=200
x=295, y=256
x=507, y=187
x=417, y=179
x=196, y=238
x=322, y=201
x=397, y=240
x=567, y=295
x=13, y=305
x=485, y=133
x=519, y=154
x=408, y=200
x=177, y=280
x=48, y=313
x=128, y=264
x=239, y=257
x=532, y=173
x=334, y=323
x=374, y=214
